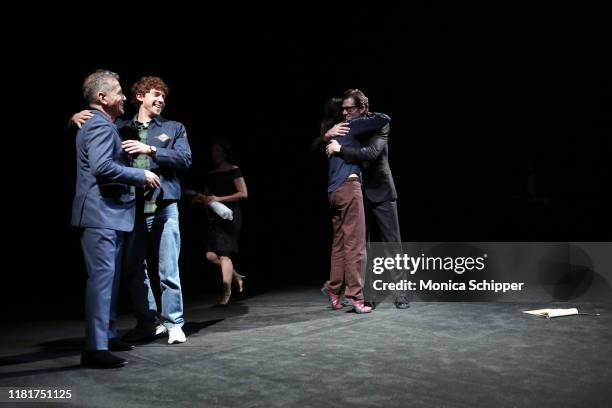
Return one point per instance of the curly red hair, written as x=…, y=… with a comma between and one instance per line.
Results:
x=145, y=84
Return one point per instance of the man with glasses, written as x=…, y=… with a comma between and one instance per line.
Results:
x=379, y=188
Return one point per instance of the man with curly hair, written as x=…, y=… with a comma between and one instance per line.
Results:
x=161, y=146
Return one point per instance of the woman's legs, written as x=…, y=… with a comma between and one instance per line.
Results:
x=236, y=277
x=224, y=263
x=213, y=258
x=226, y=271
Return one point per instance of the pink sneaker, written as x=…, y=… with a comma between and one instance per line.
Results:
x=359, y=306
x=334, y=300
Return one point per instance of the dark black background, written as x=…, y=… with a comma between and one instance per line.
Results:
x=485, y=101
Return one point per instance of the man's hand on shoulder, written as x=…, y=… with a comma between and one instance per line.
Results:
x=337, y=130
x=81, y=117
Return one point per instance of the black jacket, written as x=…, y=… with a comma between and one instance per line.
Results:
x=374, y=156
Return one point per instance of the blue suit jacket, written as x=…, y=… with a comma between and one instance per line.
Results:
x=173, y=152
x=104, y=197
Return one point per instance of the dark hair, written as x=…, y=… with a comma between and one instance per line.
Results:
x=332, y=114
x=227, y=149
x=361, y=101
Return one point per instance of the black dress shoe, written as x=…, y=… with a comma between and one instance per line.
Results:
x=101, y=359
x=401, y=302
x=119, y=345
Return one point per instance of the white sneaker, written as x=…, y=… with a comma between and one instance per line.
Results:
x=176, y=335
x=160, y=329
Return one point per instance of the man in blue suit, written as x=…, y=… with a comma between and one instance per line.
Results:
x=159, y=145
x=104, y=209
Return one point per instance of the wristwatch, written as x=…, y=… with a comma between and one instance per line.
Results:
x=153, y=151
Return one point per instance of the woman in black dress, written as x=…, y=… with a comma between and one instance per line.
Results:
x=225, y=185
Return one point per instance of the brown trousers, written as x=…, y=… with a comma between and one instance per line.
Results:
x=348, y=257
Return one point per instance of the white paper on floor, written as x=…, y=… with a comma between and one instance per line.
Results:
x=548, y=313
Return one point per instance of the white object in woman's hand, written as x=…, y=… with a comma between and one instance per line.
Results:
x=221, y=210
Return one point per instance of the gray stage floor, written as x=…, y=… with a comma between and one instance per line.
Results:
x=286, y=349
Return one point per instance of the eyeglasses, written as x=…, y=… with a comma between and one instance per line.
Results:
x=349, y=109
